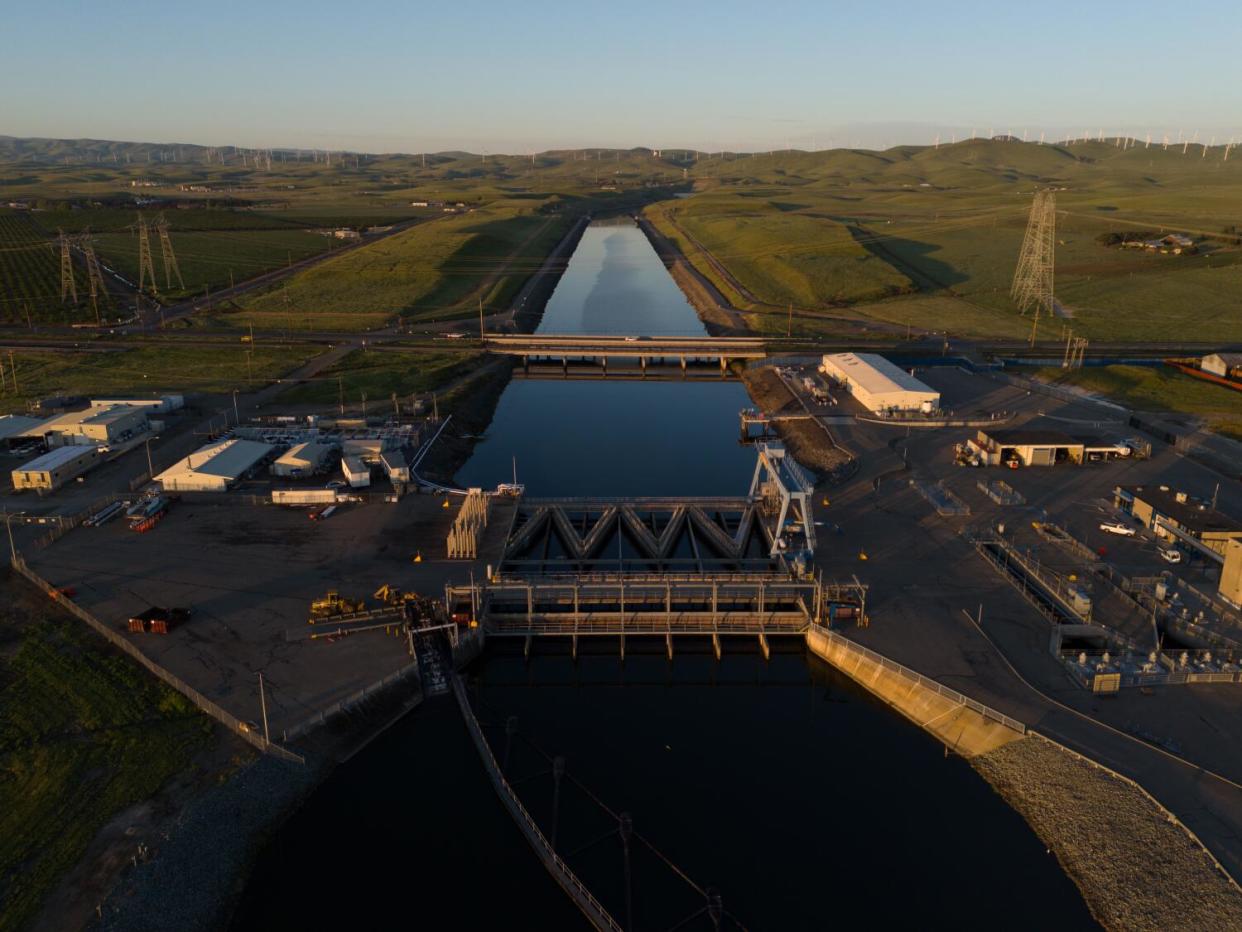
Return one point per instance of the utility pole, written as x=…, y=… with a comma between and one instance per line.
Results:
x=236, y=415
x=263, y=706
x=340, y=392
x=150, y=465
x=94, y=277
x=13, y=371
x=481, y=320
x=789, y=321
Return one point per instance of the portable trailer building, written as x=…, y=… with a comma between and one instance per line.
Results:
x=357, y=473
x=54, y=468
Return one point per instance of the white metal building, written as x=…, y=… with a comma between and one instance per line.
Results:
x=303, y=459
x=16, y=428
x=116, y=424
x=879, y=385
x=357, y=473
x=1223, y=364
x=54, y=468
x=215, y=467
x=160, y=405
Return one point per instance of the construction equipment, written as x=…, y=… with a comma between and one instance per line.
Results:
x=333, y=604
x=391, y=595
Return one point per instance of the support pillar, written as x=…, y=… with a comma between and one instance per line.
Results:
x=526, y=648
x=668, y=644
x=643, y=361
x=716, y=643
x=565, y=366
x=623, y=648
x=526, y=363
x=763, y=646
x=605, y=361
x=683, y=365
x=573, y=648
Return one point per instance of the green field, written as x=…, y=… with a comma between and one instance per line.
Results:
x=142, y=370
x=1158, y=388
x=84, y=734
x=211, y=259
x=433, y=271
x=379, y=374
x=30, y=276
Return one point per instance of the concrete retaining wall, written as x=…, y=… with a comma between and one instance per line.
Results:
x=939, y=710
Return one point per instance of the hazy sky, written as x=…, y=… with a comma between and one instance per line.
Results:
x=516, y=76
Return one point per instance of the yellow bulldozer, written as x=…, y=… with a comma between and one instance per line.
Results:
x=334, y=604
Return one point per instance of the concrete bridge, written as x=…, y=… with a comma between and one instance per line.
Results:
x=661, y=350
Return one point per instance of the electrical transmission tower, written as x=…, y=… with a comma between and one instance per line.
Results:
x=145, y=265
x=67, y=285
x=95, y=276
x=1032, y=282
x=170, y=258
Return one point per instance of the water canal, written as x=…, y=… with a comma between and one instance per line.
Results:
x=803, y=800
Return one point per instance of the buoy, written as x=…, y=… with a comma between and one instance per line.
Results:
x=862, y=555
x=445, y=505
x=825, y=503
x=418, y=557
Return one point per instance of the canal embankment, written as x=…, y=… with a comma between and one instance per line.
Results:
x=1136, y=864
x=530, y=302
x=719, y=317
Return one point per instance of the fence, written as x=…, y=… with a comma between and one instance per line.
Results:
x=1001, y=492
x=349, y=702
x=904, y=671
x=591, y=907
x=230, y=721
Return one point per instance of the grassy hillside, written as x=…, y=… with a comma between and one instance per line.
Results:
x=433, y=271
x=84, y=734
x=381, y=374
x=145, y=370
x=1150, y=388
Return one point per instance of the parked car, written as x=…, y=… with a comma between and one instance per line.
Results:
x=1112, y=527
x=1172, y=555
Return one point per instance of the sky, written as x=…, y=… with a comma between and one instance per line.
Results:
x=484, y=75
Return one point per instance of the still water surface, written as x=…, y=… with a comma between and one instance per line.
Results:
x=803, y=800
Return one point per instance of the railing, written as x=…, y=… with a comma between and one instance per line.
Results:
x=561, y=872
x=233, y=723
x=946, y=691
x=348, y=702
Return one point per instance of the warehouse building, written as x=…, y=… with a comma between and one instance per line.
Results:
x=215, y=467
x=304, y=459
x=15, y=429
x=1174, y=514
x=53, y=469
x=879, y=385
x=1041, y=447
x=161, y=405
x=1231, y=575
x=369, y=449
x=117, y=424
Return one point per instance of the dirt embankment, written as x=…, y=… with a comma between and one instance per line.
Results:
x=1137, y=868
x=718, y=316
x=806, y=438
x=472, y=402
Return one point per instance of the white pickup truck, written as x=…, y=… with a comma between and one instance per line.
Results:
x=1114, y=527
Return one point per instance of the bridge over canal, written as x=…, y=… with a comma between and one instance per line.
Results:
x=638, y=352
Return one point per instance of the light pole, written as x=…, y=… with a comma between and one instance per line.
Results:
x=236, y=416
x=8, y=526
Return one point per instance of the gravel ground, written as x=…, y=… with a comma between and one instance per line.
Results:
x=182, y=887
x=808, y=442
x=1137, y=869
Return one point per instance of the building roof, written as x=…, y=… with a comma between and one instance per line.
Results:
x=312, y=451
x=876, y=375
x=1019, y=437
x=69, y=419
x=1192, y=514
x=54, y=459
x=400, y=458
x=1229, y=359
x=354, y=464
x=17, y=425
x=228, y=459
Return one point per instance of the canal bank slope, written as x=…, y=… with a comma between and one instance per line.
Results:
x=1138, y=866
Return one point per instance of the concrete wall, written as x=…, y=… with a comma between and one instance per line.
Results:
x=960, y=727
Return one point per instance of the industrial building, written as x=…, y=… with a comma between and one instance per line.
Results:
x=303, y=459
x=215, y=467
x=369, y=449
x=357, y=473
x=161, y=405
x=1231, y=574
x=53, y=469
x=879, y=385
x=1174, y=514
x=16, y=429
x=117, y=424
x=1225, y=365
x=1041, y=447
